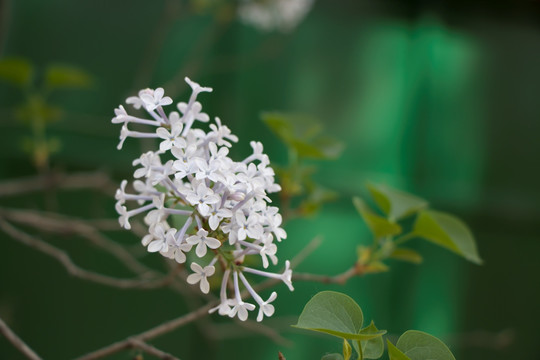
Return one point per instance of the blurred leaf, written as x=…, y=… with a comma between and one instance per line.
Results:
x=66, y=77
x=376, y=267
x=316, y=197
x=16, y=71
x=394, y=353
x=378, y=225
x=334, y=356
x=372, y=348
x=418, y=345
x=37, y=111
x=332, y=313
x=447, y=231
x=408, y=255
x=394, y=203
x=347, y=350
x=303, y=134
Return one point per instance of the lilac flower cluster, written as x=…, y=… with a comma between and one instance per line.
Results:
x=221, y=204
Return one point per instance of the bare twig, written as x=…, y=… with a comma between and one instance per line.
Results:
x=75, y=270
x=98, y=181
x=17, y=342
x=150, y=334
x=306, y=251
x=336, y=279
x=149, y=349
x=65, y=225
x=259, y=328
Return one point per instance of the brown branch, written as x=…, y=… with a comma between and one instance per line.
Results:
x=149, y=334
x=98, y=181
x=65, y=225
x=326, y=279
x=149, y=349
x=17, y=342
x=74, y=269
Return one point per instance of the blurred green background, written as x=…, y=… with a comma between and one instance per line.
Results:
x=439, y=98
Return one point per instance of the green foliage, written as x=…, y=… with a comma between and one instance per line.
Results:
x=447, y=231
x=372, y=348
x=378, y=225
x=418, y=345
x=35, y=112
x=332, y=313
x=303, y=134
x=305, y=140
x=439, y=228
x=394, y=353
x=16, y=71
x=338, y=315
x=334, y=356
x=66, y=77
x=394, y=203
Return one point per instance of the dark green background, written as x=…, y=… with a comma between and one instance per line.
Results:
x=438, y=98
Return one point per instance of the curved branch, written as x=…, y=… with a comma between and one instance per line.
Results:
x=17, y=342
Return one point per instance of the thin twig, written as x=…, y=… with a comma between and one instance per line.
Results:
x=74, y=269
x=306, y=251
x=259, y=328
x=98, y=181
x=149, y=349
x=65, y=225
x=150, y=334
x=326, y=279
x=17, y=342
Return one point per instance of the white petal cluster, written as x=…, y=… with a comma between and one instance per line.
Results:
x=221, y=204
x=270, y=15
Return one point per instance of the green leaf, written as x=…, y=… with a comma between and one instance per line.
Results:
x=303, y=134
x=394, y=203
x=334, y=356
x=16, y=71
x=447, y=231
x=378, y=225
x=333, y=313
x=66, y=77
x=347, y=350
x=394, y=353
x=36, y=111
x=418, y=345
x=372, y=348
x=408, y=255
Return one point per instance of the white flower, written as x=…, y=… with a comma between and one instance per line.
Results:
x=265, y=308
x=202, y=197
x=200, y=275
x=203, y=242
x=154, y=98
x=171, y=138
x=282, y=15
x=192, y=180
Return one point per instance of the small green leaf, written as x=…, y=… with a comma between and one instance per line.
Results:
x=447, y=231
x=376, y=267
x=394, y=203
x=408, y=255
x=36, y=111
x=394, y=353
x=303, y=134
x=16, y=71
x=347, y=350
x=334, y=356
x=372, y=348
x=64, y=76
x=378, y=225
x=418, y=345
x=333, y=313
